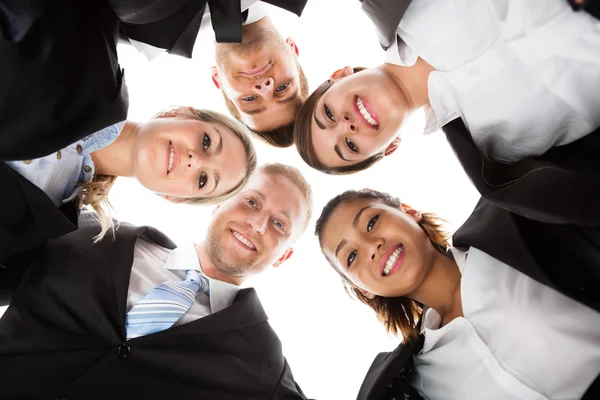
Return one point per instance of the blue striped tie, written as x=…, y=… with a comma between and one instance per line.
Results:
x=164, y=305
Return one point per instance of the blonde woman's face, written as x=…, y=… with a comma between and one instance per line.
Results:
x=183, y=158
x=379, y=248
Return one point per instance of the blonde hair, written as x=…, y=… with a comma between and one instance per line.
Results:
x=95, y=192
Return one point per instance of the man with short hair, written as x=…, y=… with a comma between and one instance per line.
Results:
x=135, y=317
x=261, y=79
x=61, y=78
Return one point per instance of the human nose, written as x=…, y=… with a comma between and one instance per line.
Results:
x=258, y=223
x=264, y=87
x=194, y=160
x=376, y=248
x=347, y=124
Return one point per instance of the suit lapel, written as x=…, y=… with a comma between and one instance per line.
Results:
x=492, y=229
x=385, y=368
x=246, y=310
x=50, y=219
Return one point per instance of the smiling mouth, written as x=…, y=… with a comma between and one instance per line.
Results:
x=394, y=260
x=364, y=112
x=257, y=71
x=171, y=156
x=245, y=242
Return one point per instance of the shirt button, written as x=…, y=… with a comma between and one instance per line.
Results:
x=27, y=161
x=79, y=148
x=124, y=350
x=87, y=169
x=58, y=155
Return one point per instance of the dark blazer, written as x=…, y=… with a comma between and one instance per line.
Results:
x=564, y=257
x=28, y=219
x=66, y=327
x=174, y=24
x=61, y=80
x=561, y=186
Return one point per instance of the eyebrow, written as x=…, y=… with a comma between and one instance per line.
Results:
x=319, y=123
x=259, y=110
x=342, y=244
x=220, y=145
x=288, y=99
x=217, y=178
x=358, y=214
x=354, y=223
x=339, y=152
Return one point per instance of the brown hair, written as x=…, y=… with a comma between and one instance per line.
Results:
x=296, y=177
x=303, y=136
x=399, y=315
x=282, y=136
x=95, y=192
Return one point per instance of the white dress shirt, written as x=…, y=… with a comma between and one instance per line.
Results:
x=153, y=265
x=60, y=174
x=256, y=11
x=522, y=75
x=518, y=339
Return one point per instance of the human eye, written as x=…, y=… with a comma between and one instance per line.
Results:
x=206, y=141
x=282, y=87
x=251, y=202
x=280, y=226
x=328, y=113
x=372, y=222
x=202, y=180
x=351, y=146
x=351, y=258
x=249, y=98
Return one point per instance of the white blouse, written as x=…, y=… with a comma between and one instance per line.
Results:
x=60, y=174
x=522, y=75
x=518, y=339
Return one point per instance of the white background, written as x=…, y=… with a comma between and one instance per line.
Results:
x=328, y=339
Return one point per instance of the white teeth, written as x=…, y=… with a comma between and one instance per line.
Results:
x=365, y=113
x=392, y=260
x=243, y=240
x=171, y=153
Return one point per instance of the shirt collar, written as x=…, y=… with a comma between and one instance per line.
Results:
x=222, y=294
x=256, y=12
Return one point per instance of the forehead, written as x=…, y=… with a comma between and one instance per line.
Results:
x=278, y=193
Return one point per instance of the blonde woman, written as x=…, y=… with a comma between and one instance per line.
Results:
x=183, y=154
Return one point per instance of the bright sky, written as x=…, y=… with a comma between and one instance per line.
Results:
x=328, y=339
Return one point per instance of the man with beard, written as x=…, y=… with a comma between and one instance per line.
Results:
x=261, y=79
x=61, y=78
x=135, y=317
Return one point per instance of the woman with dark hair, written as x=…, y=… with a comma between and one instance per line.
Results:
x=511, y=311
x=182, y=154
x=511, y=83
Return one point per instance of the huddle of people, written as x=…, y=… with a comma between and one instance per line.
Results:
x=508, y=307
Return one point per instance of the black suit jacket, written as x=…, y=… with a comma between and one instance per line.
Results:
x=61, y=80
x=28, y=219
x=564, y=257
x=65, y=327
x=174, y=24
